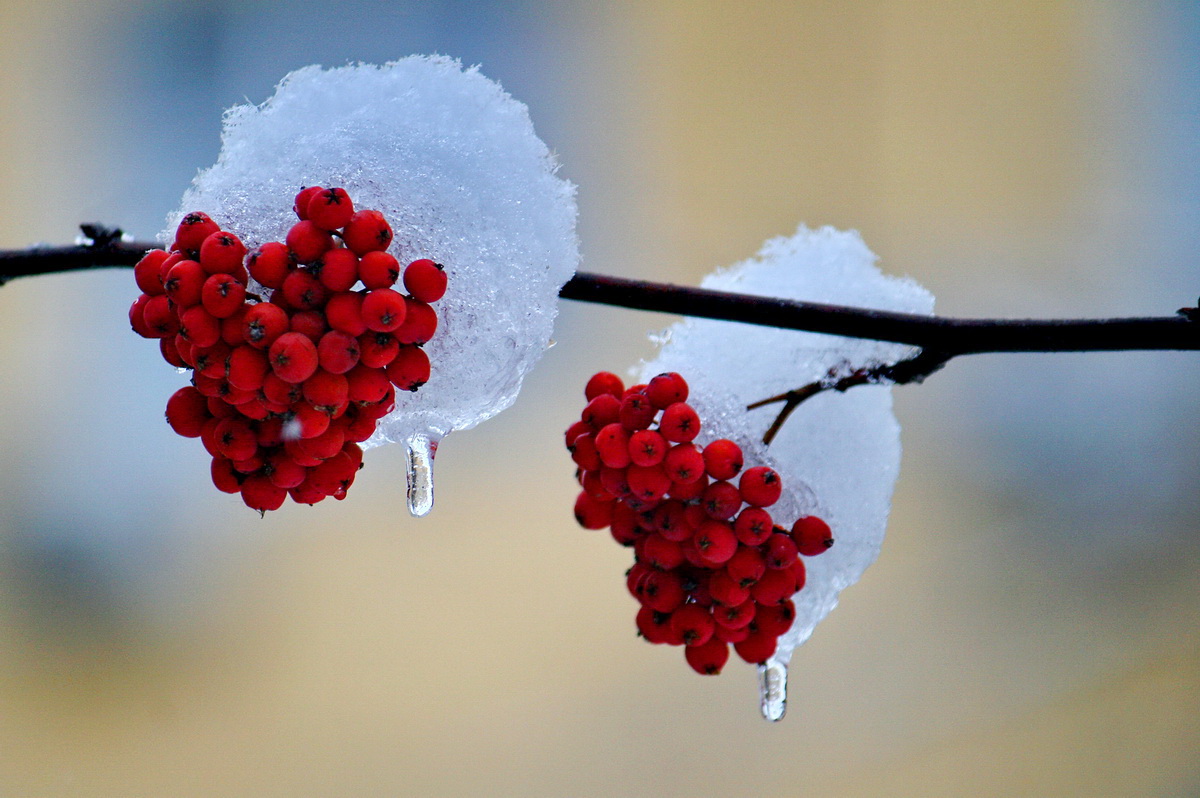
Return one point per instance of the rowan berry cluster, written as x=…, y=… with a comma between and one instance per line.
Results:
x=711, y=567
x=286, y=385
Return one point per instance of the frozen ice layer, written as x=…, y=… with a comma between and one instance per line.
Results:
x=838, y=453
x=454, y=164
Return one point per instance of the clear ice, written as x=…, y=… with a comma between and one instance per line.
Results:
x=454, y=164
x=839, y=453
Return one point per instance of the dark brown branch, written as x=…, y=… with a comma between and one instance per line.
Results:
x=914, y=369
x=949, y=336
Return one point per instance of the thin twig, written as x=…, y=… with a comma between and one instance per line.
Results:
x=913, y=369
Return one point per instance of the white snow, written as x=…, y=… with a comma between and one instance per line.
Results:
x=454, y=164
x=839, y=453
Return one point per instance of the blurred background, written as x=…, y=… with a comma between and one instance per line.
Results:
x=1032, y=626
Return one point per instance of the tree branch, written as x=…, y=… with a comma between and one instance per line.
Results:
x=949, y=336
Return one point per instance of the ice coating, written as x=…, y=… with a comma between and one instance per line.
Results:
x=454, y=164
x=839, y=453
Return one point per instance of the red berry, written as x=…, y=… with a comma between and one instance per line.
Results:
x=248, y=368
x=726, y=590
x=367, y=384
x=146, y=272
x=222, y=253
x=337, y=269
x=378, y=270
x=199, y=327
x=753, y=526
x=722, y=459
x=305, y=195
x=367, y=231
x=756, y=649
x=707, y=659
x=648, y=483
x=270, y=263
x=337, y=352
x=662, y=553
x=425, y=280
x=601, y=411
x=583, y=452
x=604, y=382
x=283, y=471
x=377, y=349
x=384, y=310
x=773, y=586
x=184, y=284
x=259, y=494
x=775, y=620
x=170, y=353
x=224, y=477
x=612, y=445
x=192, y=230
x=420, y=322
x=684, y=463
x=760, y=486
x=592, y=514
x=410, y=369
x=735, y=617
x=310, y=323
x=647, y=448
x=307, y=241
x=344, y=312
x=222, y=295
x=636, y=411
x=137, y=317
x=693, y=623
x=653, y=625
x=666, y=389
x=715, y=541
x=293, y=357
x=780, y=551
x=325, y=391
x=236, y=439
x=679, y=423
x=330, y=209
x=187, y=412
x=263, y=324
x=721, y=500
x=304, y=291
x=812, y=535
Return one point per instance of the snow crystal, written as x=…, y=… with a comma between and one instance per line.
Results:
x=454, y=164
x=838, y=453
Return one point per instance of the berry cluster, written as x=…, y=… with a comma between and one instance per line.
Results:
x=285, y=386
x=711, y=567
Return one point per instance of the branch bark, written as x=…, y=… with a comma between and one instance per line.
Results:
x=950, y=337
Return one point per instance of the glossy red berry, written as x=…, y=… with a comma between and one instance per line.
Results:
x=647, y=448
x=185, y=283
x=307, y=241
x=666, y=389
x=756, y=649
x=192, y=230
x=367, y=231
x=187, y=412
x=715, y=542
x=260, y=494
x=337, y=352
x=330, y=208
x=722, y=459
x=425, y=280
x=303, y=197
x=760, y=486
x=378, y=270
x=337, y=269
x=146, y=272
x=222, y=253
x=344, y=313
x=707, y=659
x=384, y=310
x=693, y=623
x=270, y=263
x=592, y=514
x=420, y=322
x=378, y=349
x=293, y=357
x=812, y=535
x=222, y=295
x=780, y=551
x=679, y=423
x=409, y=369
x=604, y=382
x=753, y=526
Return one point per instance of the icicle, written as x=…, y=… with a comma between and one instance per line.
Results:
x=421, y=449
x=772, y=689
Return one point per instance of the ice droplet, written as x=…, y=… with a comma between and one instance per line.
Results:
x=772, y=689
x=421, y=450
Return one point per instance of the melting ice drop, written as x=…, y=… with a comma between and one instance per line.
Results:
x=772, y=689
x=421, y=450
